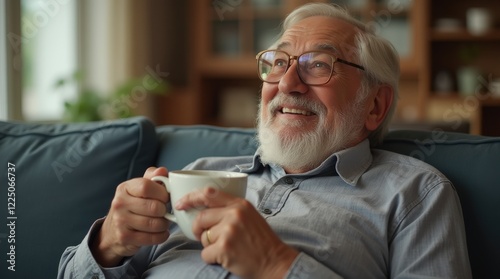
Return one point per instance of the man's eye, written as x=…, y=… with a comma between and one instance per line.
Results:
x=280, y=63
x=320, y=65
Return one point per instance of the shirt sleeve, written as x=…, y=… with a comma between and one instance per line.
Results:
x=430, y=238
x=77, y=261
x=306, y=266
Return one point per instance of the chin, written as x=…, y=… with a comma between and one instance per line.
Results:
x=303, y=144
x=296, y=148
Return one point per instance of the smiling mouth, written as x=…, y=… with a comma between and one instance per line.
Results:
x=295, y=111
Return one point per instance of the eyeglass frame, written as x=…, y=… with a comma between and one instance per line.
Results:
x=296, y=58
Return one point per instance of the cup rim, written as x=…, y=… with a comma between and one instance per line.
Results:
x=214, y=173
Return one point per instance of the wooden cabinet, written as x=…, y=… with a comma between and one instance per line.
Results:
x=459, y=66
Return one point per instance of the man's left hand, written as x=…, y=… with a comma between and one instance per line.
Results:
x=236, y=236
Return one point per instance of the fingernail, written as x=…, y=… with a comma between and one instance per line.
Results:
x=178, y=205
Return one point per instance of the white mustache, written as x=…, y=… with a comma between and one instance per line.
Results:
x=291, y=100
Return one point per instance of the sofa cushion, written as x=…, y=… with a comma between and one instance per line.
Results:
x=65, y=177
x=472, y=163
x=181, y=145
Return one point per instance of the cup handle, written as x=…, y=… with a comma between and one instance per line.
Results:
x=166, y=183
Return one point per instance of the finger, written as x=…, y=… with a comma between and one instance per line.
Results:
x=207, y=219
x=146, y=189
x=211, y=255
x=129, y=199
x=207, y=197
x=147, y=224
x=132, y=238
x=207, y=237
x=154, y=171
x=231, y=218
x=217, y=253
x=146, y=207
x=117, y=235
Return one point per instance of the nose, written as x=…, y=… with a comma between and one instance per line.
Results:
x=290, y=82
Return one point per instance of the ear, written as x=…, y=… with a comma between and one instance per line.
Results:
x=379, y=107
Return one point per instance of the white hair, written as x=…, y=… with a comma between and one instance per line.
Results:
x=374, y=53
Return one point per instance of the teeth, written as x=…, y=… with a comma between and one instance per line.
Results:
x=296, y=111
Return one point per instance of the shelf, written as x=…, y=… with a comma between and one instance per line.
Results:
x=231, y=68
x=485, y=99
x=464, y=35
x=448, y=51
x=493, y=101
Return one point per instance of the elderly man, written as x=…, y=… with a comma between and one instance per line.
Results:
x=322, y=202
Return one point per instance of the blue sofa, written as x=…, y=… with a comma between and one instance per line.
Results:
x=57, y=179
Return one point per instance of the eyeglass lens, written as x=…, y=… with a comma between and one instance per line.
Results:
x=314, y=68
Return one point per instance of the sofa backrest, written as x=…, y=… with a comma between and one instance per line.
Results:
x=472, y=163
x=181, y=145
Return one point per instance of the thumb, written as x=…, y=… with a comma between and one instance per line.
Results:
x=154, y=171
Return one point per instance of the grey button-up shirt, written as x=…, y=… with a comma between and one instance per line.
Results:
x=363, y=213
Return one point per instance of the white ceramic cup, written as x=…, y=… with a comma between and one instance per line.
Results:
x=179, y=183
x=479, y=20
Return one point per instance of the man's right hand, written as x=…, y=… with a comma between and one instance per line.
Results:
x=134, y=220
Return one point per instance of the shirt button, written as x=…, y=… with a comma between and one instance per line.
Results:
x=288, y=180
x=267, y=211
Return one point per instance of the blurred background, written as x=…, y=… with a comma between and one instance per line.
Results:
x=193, y=62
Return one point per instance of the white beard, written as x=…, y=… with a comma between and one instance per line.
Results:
x=306, y=151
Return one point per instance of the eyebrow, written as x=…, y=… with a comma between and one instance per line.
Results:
x=282, y=45
x=328, y=47
x=324, y=47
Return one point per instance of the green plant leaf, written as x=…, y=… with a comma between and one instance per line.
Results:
x=91, y=105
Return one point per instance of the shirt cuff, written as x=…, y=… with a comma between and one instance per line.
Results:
x=85, y=266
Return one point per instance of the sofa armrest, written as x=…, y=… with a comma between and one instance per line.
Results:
x=65, y=178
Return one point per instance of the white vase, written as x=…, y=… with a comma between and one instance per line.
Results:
x=468, y=80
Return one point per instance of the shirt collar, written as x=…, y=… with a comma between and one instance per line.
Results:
x=349, y=164
x=353, y=162
x=253, y=166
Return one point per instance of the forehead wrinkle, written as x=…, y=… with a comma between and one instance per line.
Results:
x=336, y=37
x=328, y=47
x=282, y=45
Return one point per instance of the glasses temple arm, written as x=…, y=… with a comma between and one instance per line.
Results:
x=350, y=64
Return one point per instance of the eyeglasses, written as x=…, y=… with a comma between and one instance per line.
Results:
x=314, y=67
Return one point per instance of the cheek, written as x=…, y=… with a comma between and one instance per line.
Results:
x=346, y=77
x=268, y=91
x=343, y=91
x=334, y=101
x=263, y=114
x=267, y=94
x=339, y=99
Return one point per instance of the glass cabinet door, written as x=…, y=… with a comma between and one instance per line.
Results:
x=243, y=28
x=388, y=18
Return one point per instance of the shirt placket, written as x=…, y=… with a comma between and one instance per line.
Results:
x=274, y=200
